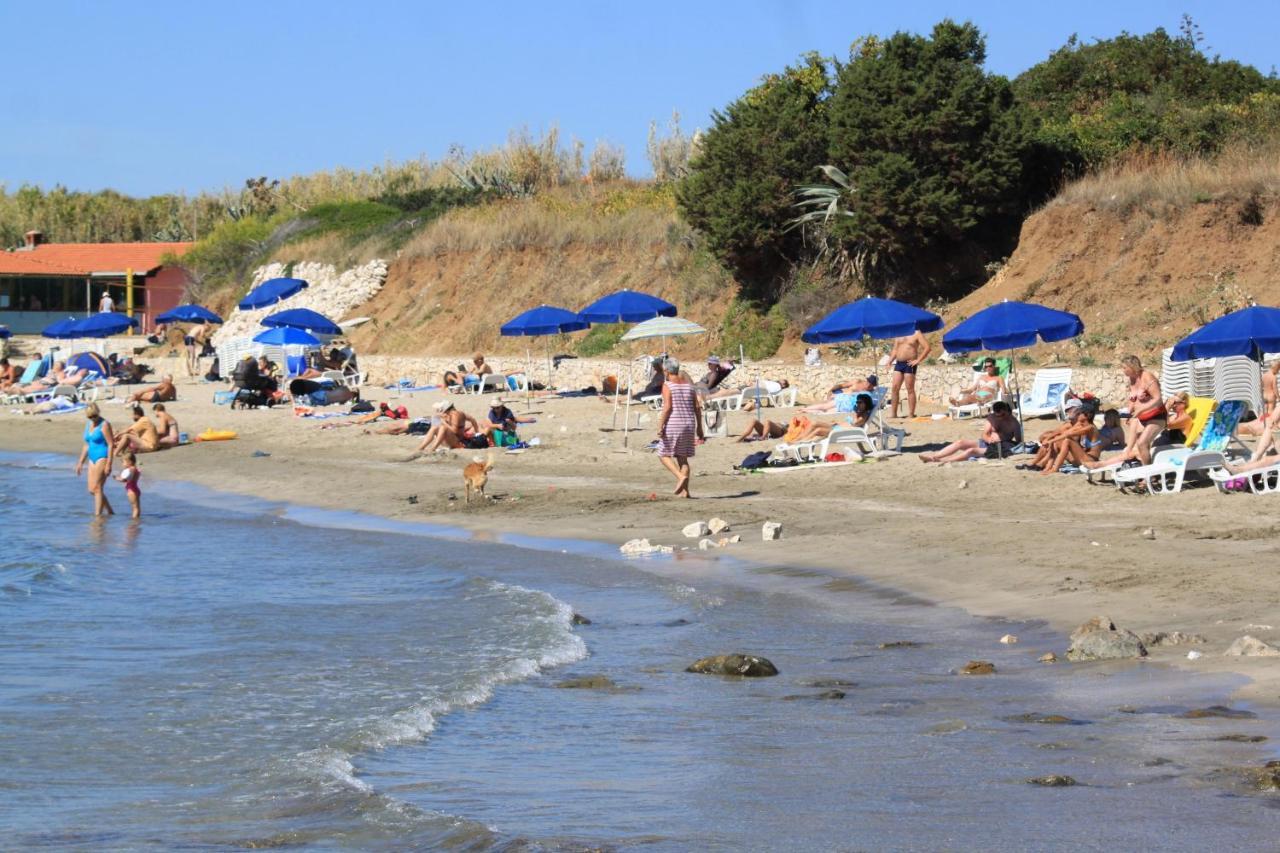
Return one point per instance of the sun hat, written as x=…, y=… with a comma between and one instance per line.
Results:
x=1073, y=403
x=443, y=406
x=873, y=380
x=713, y=359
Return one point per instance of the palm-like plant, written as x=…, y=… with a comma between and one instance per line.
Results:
x=821, y=205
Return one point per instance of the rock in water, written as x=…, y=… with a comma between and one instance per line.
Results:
x=1048, y=657
x=1242, y=738
x=747, y=666
x=978, y=667
x=588, y=682
x=696, y=529
x=771, y=530
x=579, y=619
x=826, y=694
x=1252, y=647
x=1217, y=711
x=1054, y=781
x=1100, y=639
x=1008, y=639
x=899, y=644
x=717, y=526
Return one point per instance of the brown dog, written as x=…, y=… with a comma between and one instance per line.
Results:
x=476, y=475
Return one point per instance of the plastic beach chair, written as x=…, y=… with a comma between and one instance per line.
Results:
x=1168, y=470
x=1048, y=393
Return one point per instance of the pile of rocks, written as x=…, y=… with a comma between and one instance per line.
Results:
x=332, y=293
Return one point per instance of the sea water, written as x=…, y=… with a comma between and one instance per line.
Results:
x=228, y=672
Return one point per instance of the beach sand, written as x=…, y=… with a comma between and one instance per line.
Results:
x=983, y=536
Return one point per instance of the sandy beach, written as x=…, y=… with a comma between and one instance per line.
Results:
x=982, y=536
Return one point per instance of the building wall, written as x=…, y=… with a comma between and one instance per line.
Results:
x=165, y=290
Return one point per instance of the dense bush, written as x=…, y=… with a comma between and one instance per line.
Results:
x=740, y=187
x=751, y=328
x=932, y=144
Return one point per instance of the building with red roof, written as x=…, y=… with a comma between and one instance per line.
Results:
x=41, y=282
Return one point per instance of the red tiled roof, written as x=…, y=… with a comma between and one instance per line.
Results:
x=88, y=258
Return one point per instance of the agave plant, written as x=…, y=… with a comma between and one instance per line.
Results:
x=821, y=204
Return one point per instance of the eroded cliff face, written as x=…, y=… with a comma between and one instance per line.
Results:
x=1139, y=279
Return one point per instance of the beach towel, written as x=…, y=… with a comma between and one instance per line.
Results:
x=799, y=424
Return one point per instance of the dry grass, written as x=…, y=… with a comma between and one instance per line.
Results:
x=618, y=215
x=1153, y=181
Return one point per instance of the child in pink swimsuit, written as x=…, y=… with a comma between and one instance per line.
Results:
x=130, y=476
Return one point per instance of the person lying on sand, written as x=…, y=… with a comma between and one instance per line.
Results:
x=999, y=435
x=165, y=392
x=454, y=429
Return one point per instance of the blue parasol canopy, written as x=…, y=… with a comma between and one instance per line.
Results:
x=102, y=325
x=5, y=333
x=305, y=319
x=544, y=320
x=61, y=329
x=189, y=314
x=626, y=306
x=284, y=336
x=1012, y=325
x=873, y=318
x=271, y=292
x=1250, y=331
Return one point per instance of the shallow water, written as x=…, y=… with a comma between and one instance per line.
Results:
x=231, y=672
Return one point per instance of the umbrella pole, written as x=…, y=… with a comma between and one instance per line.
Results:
x=1017, y=398
x=626, y=426
x=528, y=371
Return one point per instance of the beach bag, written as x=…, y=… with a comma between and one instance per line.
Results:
x=755, y=460
x=476, y=442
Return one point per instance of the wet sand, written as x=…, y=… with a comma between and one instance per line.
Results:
x=982, y=536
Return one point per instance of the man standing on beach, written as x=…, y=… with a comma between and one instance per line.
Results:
x=906, y=355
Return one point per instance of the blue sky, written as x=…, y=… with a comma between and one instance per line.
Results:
x=162, y=97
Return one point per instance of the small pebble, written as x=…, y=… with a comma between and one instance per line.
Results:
x=1008, y=639
x=1048, y=657
x=1194, y=655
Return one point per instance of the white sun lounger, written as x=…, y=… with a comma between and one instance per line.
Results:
x=1048, y=393
x=974, y=410
x=1169, y=469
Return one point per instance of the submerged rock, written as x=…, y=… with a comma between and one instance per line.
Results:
x=1047, y=719
x=826, y=694
x=828, y=682
x=1048, y=657
x=899, y=644
x=588, y=682
x=1242, y=738
x=747, y=666
x=1052, y=781
x=579, y=619
x=1252, y=647
x=978, y=667
x=1217, y=711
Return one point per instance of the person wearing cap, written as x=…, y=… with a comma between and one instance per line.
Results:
x=503, y=423
x=452, y=430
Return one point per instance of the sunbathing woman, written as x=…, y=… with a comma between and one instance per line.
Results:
x=984, y=389
x=853, y=386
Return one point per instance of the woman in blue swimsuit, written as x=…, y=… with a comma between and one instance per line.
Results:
x=99, y=452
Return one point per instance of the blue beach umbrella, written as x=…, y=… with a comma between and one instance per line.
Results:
x=873, y=318
x=305, y=319
x=543, y=321
x=626, y=306
x=5, y=333
x=284, y=336
x=62, y=329
x=1250, y=331
x=189, y=314
x=1012, y=325
x=271, y=292
x=102, y=325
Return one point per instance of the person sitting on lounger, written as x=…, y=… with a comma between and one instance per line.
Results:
x=717, y=372
x=984, y=389
x=654, y=386
x=454, y=378
x=141, y=436
x=166, y=427
x=766, y=387
x=454, y=429
x=165, y=392
x=999, y=436
x=9, y=374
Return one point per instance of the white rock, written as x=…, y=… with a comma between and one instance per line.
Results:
x=1149, y=533
x=707, y=545
x=696, y=529
x=1251, y=647
x=1008, y=639
x=1094, y=544
x=735, y=539
x=718, y=525
x=640, y=547
x=771, y=530
x=1194, y=655
x=963, y=484
x=564, y=429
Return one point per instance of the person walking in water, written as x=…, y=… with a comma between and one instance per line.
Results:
x=129, y=476
x=99, y=452
x=679, y=425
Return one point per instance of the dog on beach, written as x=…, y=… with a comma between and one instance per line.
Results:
x=475, y=475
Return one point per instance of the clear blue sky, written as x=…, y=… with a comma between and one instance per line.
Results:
x=159, y=97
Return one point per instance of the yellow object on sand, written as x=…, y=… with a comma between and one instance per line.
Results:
x=1200, y=409
x=216, y=435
